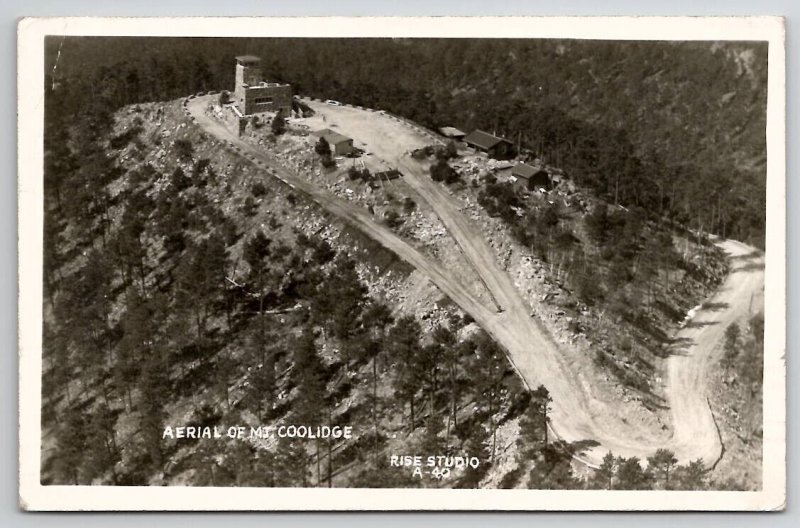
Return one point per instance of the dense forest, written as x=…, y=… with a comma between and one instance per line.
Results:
x=678, y=129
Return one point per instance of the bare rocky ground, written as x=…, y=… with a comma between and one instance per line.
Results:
x=282, y=214
x=543, y=290
x=419, y=224
x=166, y=120
x=738, y=412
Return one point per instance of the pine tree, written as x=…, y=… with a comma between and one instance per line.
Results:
x=72, y=441
x=102, y=450
x=534, y=423
x=262, y=380
x=631, y=476
x=603, y=477
x=137, y=340
x=154, y=389
x=430, y=358
x=692, y=476
x=553, y=469
x=179, y=180
x=278, y=124
x=445, y=338
x=488, y=382
x=202, y=277
x=308, y=374
x=225, y=372
x=477, y=444
x=377, y=317
x=322, y=148
x=662, y=463
x=351, y=297
x=732, y=338
x=403, y=343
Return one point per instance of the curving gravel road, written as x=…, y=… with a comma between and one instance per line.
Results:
x=739, y=297
x=578, y=413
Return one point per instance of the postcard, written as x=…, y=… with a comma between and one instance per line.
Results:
x=337, y=263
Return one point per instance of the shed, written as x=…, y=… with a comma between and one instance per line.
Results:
x=341, y=145
x=452, y=133
x=495, y=147
x=501, y=165
x=531, y=177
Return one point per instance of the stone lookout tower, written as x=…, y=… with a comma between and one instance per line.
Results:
x=253, y=95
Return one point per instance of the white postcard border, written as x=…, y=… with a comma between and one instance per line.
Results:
x=34, y=496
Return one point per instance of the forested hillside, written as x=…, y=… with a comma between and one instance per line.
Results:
x=183, y=287
x=676, y=128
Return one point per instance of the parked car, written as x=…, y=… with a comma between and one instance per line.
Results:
x=333, y=103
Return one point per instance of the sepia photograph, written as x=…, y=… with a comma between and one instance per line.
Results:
x=263, y=258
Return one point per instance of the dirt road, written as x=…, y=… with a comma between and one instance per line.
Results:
x=352, y=213
x=697, y=351
x=579, y=413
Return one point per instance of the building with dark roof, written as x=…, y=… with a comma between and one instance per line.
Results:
x=530, y=177
x=253, y=95
x=495, y=147
x=340, y=144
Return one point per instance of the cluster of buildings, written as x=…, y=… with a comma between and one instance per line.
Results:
x=254, y=95
x=526, y=176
